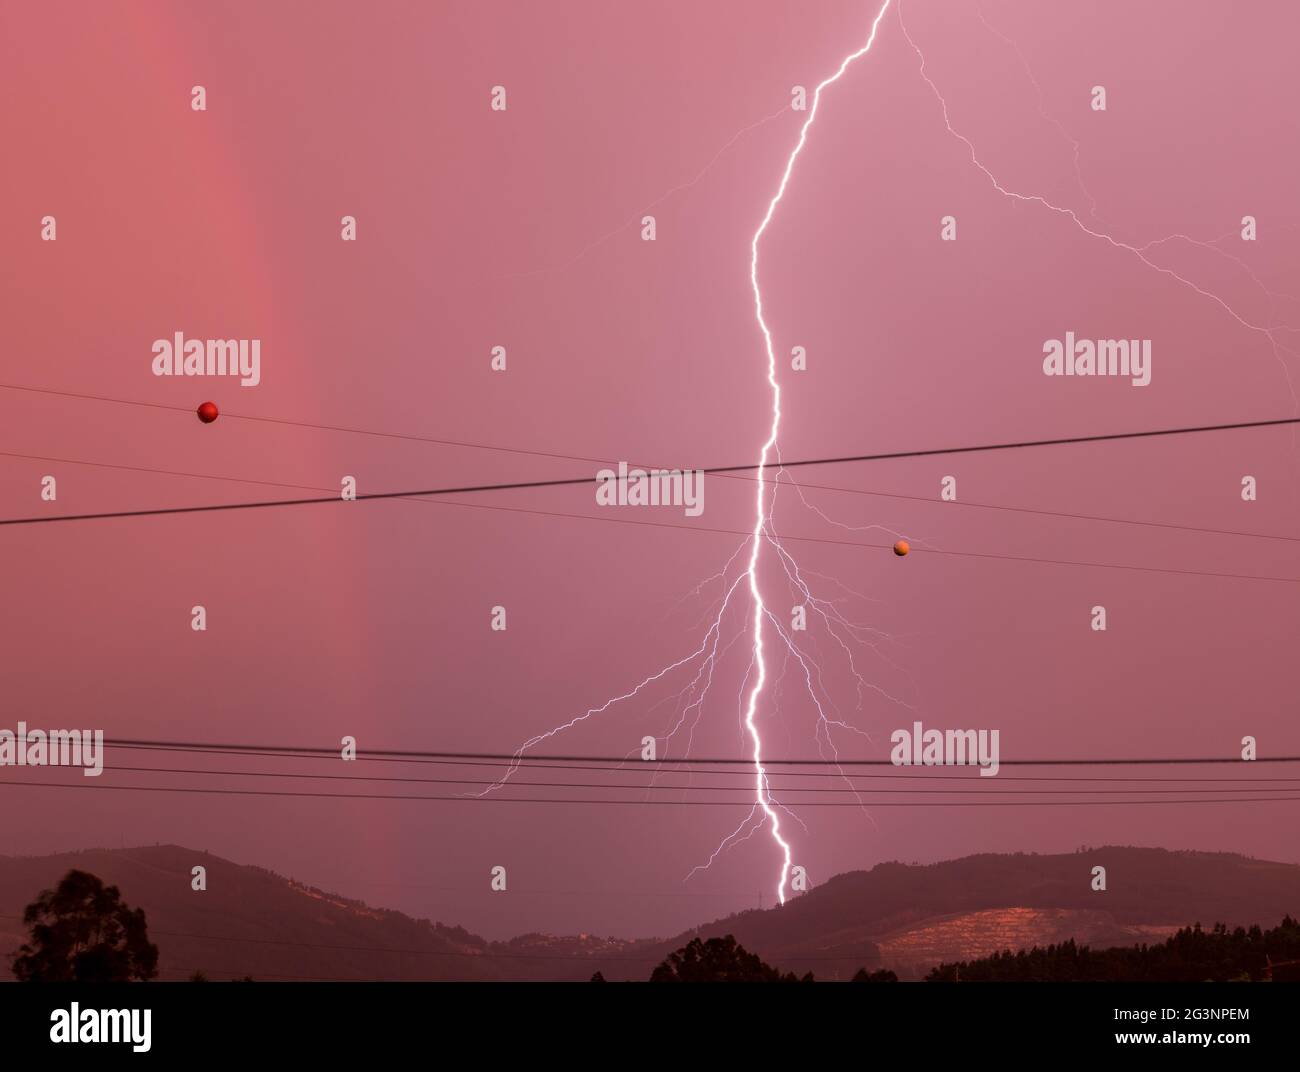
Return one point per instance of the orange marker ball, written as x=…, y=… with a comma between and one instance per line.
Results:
x=901, y=548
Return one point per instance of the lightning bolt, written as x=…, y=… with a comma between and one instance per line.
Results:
x=762, y=511
x=765, y=809
x=1269, y=333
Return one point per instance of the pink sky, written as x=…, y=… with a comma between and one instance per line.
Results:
x=521, y=229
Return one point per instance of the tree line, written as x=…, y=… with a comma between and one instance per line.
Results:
x=81, y=931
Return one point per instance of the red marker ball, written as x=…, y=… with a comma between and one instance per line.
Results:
x=208, y=412
x=901, y=548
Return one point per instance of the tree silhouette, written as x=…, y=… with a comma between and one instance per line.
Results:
x=82, y=932
x=719, y=960
x=1191, y=955
x=884, y=975
x=598, y=978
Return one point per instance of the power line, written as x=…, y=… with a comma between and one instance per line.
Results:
x=94, y=398
x=719, y=470
x=290, y=422
x=714, y=470
x=784, y=538
x=643, y=803
x=152, y=471
x=1024, y=444
x=409, y=496
x=413, y=497
x=524, y=758
x=600, y=461
x=704, y=528
x=623, y=768
x=988, y=787
x=968, y=504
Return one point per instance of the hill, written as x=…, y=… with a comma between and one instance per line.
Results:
x=909, y=917
x=253, y=922
x=248, y=921
x=1194, y=954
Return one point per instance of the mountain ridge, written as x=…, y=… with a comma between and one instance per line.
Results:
x=252, y=921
